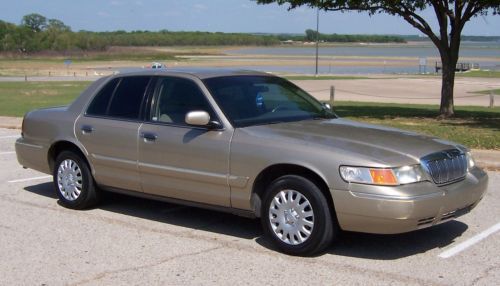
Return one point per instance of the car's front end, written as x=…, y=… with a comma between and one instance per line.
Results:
x=382, y=180
x=443, y=186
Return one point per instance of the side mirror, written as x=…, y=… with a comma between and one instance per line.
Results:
x=327, y=106
x=201, y=118
x=197, y=118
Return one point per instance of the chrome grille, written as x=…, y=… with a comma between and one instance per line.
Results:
x=446, y=166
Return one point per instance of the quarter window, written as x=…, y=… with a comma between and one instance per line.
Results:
x=99, y=105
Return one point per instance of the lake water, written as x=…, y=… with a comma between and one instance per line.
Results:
x=486, y=54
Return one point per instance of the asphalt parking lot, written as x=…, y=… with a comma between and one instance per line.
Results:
x=130, y=241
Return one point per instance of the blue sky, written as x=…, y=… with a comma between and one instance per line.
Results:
x=216, y=15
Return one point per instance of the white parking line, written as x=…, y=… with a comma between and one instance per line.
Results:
x=470, y=242
x=29, y=179
x=7, y=153
x=10, y=136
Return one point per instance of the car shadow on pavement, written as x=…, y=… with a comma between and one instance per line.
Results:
x=351, y=244
x=188, y=217
x=395, y=246
x=44, y=189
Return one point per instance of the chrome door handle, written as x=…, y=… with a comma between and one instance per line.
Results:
x=86, y=129
x=149, y=136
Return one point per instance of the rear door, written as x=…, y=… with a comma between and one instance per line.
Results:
x=181, y=161
x=109, y=131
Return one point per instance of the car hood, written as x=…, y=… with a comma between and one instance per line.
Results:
x=380, y=145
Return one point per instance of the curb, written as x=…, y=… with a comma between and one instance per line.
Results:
x=11, y=122
x=487, y=159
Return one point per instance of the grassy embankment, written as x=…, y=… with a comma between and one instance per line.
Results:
x=472, y=126
x=488, y=91
x=475, y=127
x=480, y=73
x=17, y=98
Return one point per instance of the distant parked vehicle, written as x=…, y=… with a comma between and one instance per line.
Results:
x=252, y=144
x=157, y=66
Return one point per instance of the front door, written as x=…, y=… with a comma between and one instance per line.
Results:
x=181, y=161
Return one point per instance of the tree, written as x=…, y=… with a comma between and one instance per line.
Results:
x=311, y=35
x=452, y=15
x=57, y=25
x=35, y=22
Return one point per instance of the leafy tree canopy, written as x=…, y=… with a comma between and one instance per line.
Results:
x=451, y=15
x=35, y=22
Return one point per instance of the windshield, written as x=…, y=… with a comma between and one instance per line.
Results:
x=256, y=100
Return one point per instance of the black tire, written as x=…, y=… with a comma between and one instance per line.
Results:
x=324, y=229
x=89, y=195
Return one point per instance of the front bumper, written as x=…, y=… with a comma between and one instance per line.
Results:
x=387, y=210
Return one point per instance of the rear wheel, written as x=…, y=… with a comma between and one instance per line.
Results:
x=73, y=181
x=296, y=217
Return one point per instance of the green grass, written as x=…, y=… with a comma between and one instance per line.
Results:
x=472, y=126
x=312, y=77
x=487, y=91
x=481, y=73
x=17, y=98
x=475, y=127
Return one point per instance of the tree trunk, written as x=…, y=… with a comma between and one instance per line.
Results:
x=448, y=81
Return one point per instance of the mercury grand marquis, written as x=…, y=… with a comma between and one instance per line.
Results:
x=252, y=144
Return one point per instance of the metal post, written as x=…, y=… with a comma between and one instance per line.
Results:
x=25, y=77
x=492, y=99
x=317, y=40
x=332, y=95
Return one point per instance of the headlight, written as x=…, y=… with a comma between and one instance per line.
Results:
x=382, y=176
x=470, y=161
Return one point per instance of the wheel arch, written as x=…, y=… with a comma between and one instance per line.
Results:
x=63, y=145
x=273, y=172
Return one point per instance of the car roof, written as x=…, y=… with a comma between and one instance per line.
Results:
x=201, y=73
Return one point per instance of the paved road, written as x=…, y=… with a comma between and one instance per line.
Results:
x=420, y=90
x=128, y=241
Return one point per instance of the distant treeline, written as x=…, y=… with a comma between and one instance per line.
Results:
x=463, y=38
x=37, y=33
x=311, y=35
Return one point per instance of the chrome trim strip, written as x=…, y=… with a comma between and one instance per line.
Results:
x=181, y=173
x=30, y=145
x=396, y=198
x=114, y=160
x=237, y=181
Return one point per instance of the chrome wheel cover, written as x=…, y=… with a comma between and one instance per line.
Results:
x=69, y=179
x=291, y=217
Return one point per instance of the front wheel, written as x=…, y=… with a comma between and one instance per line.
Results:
x=74, y=182
x=296, y=217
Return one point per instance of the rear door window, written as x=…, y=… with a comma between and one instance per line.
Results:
x=127, y=99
